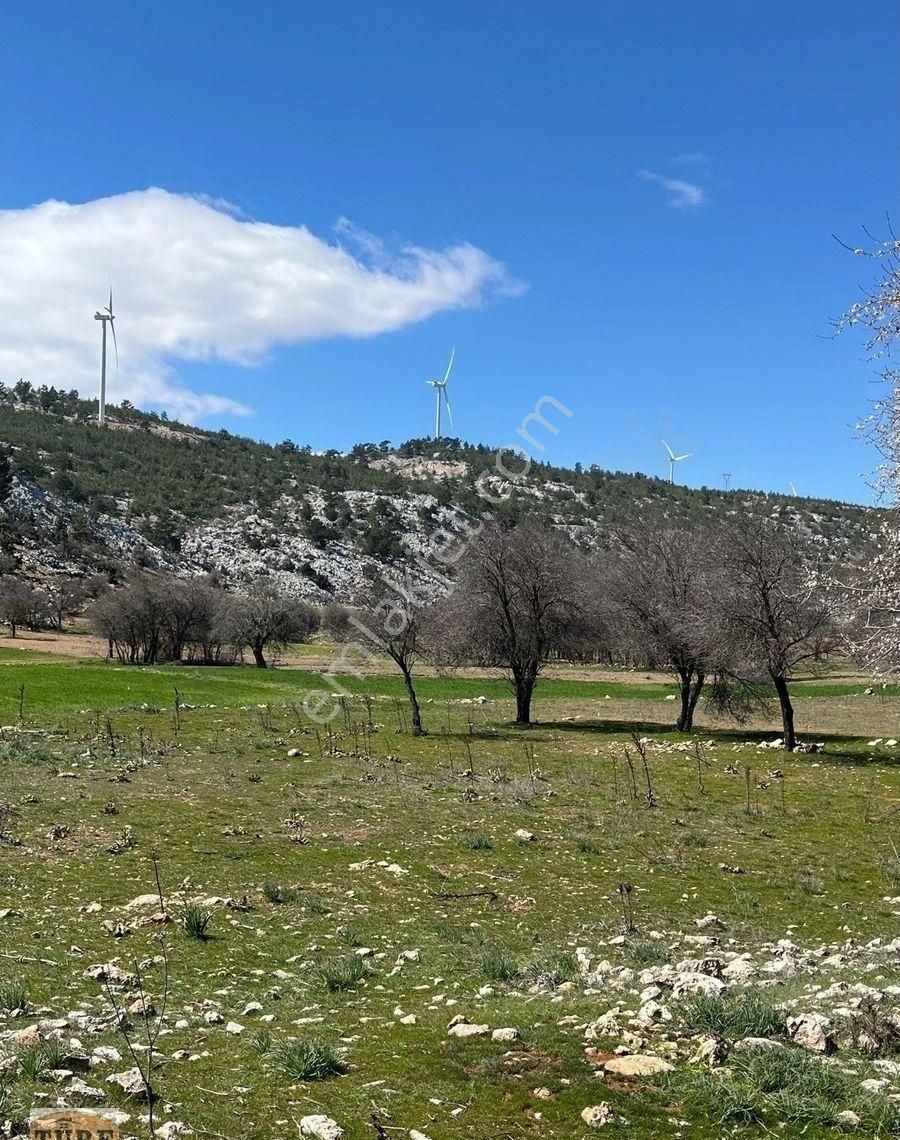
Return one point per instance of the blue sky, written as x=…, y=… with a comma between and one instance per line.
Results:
x=543, y=136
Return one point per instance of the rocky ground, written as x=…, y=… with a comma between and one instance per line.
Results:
x=478, y=934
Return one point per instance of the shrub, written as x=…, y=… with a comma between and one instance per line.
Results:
x=260, y=1042
x=447, y=932
x=195, y=921
x=875, y=1028
x=13, y=995
x=498, y=966
x=587, y=846
x=733, y=1016
x=306, y=1061
x=343, y=973
x=551, y=970
x=39, y=1059
x=478, y=843
x=315, y=904
x=281, y=896
x=647, y=953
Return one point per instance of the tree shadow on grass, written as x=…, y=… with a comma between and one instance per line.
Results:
x=839, y=748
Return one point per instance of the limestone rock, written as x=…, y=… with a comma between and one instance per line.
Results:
x=508, y=1034
x=131, y=1082
x=464, y=1029
x=637, y=1065
x=320, y=1127
x=811, y=1031
x=598, y=1115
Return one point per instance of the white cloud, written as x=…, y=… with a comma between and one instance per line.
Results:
x=682, y=195
x=194, y=280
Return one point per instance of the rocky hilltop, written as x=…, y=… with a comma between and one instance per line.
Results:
x=80, y=499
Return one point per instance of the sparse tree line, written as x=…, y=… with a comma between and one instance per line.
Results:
x=158, y=618
x=153, y=618
x=734, y=611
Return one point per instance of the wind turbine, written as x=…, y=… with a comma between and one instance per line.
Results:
x=793, y=488
x=105, y=316
x=673, y=459
x=440, y=391
x=726, y=476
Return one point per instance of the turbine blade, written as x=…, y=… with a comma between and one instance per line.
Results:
x=112, y=326
x=450, y=365
x=678, y=458
x=109, y=310
x=670, y=451
x=447, y=402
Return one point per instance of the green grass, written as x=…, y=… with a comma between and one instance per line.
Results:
x=741, y=1014
x=768, y=1086
x=13, y=996
x=306, y=1061
x=419, y=863
x=195, y=922
x=63, y=686
x=344, y=973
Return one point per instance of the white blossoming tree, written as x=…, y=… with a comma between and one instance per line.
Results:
x=876, y=583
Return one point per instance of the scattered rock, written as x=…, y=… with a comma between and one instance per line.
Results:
x=848, y=1119
x=109, y=974
x=105, y=1055
x=637, y=1065
x=508, y=1034
x=746, y=1043
x=810, y=1030
x=320, y=1127
x=83, y=1089
x=598, y=1115
x=464, y=1029
x=131, y=1082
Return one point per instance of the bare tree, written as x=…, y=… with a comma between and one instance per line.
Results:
x=391, y=617
x=21, y=604
x=66, y=597
x=266, y=621
x=133, y=619
x=773, y=611
x=188, y=615
x=660, y=583
x=519, y=599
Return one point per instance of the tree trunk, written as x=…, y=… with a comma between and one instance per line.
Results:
x=524, y=681
x=12, y=629
x=787, y=713
x=691, y=687
x=258, y=656
x=417, y=729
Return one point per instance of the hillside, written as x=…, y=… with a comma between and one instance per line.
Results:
x=152, y=491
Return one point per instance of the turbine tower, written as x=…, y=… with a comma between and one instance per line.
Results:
x=673, y=459
x=440, y=393
x=105, y=316
x=726, y=476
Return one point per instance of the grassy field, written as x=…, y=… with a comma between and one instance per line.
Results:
x=371, y=887
x=55, y=685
